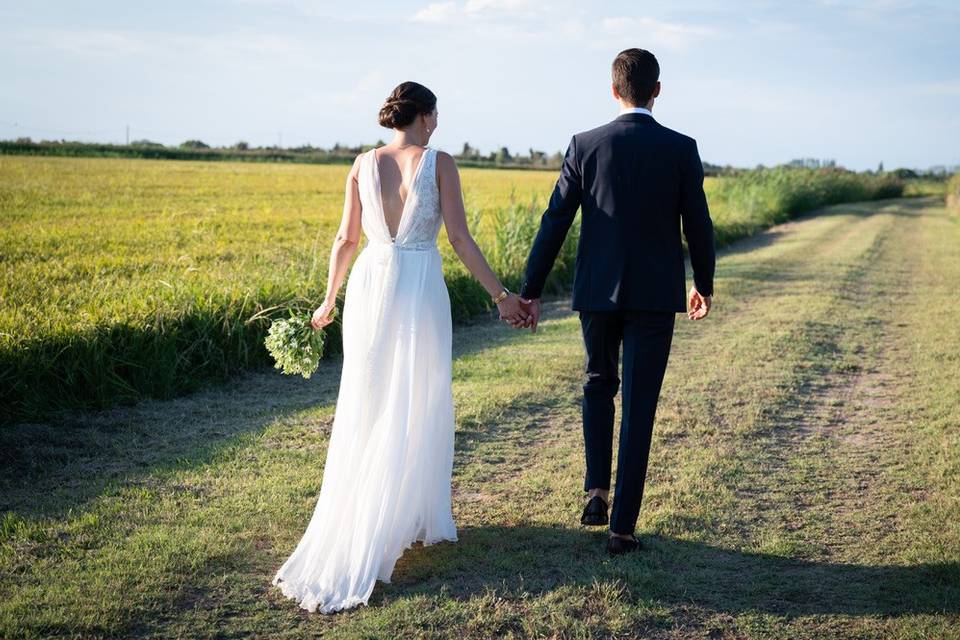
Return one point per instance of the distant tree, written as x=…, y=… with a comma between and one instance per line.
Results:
x=905, y=174
x=503, y=156
x=194, y=144
x=712, y=169
x=880, y=167
x=810, y=163
x=146, y=143
x=24, y=140
x=242, y=145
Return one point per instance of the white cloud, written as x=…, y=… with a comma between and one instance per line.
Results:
x=671, y=35
x=527, y=20
x=500, y=6
x=452, y=12
x=306, y=7
x=438, y=12
x=514, y=21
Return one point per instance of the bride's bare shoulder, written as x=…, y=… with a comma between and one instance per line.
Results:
x=355, y=169
x=446, y=164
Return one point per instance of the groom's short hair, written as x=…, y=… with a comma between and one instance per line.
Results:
x=635, y=75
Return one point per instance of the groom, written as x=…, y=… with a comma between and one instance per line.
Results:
x=636, y=182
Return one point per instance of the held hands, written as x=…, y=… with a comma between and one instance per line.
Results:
x=532, y=309
x=323, y=315
x=699, y=305
x=512, y=311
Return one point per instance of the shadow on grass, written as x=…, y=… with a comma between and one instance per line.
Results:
x=669, y=570
x=47, y=468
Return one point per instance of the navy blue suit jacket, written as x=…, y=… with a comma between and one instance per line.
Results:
x=636, y=181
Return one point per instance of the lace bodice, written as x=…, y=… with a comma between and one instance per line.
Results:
x=420, y=220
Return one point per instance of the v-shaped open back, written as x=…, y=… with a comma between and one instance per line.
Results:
x=411, y=192
x=420, y=216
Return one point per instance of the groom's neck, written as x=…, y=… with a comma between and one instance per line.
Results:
x=626, y=105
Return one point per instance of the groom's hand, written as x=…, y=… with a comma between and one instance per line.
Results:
x=532, y=307
x=699, y=305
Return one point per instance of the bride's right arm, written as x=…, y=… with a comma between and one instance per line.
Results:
x=344, y=246
x=455, y=222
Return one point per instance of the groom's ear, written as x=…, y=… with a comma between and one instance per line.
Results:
x=656, y=90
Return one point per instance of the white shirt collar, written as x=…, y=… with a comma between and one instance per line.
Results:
x=624, y=110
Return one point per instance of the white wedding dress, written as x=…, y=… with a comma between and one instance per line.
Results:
x=388, y=469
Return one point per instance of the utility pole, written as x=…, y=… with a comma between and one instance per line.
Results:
x=128, y=135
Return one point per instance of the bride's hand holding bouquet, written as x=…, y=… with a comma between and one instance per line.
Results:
x=297, y=344
x=324, y=314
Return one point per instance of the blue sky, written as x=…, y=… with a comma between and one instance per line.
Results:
x=754, y=82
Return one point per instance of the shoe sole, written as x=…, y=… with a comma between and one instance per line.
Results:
x=620, y=553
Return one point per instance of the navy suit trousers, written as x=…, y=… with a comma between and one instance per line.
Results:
x=646, y=338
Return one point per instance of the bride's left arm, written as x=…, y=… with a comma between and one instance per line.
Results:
x=455, y=223
x=344, y=246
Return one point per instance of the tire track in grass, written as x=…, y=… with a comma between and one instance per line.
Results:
x=811, y=478
x=715, y=445
x=726, y=375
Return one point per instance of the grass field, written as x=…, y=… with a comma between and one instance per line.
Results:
x=804, y=476
x=123, y=279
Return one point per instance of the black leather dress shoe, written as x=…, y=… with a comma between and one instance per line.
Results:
x=595, y=513
x=616, y=545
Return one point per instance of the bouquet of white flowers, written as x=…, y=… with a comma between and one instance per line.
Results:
x=295, y=345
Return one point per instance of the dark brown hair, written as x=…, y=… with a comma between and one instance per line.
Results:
x=635, y=75
x=405, y=103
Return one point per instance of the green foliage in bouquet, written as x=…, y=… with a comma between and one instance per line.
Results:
x=295, y=345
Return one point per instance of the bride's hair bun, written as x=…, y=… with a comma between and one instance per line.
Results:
x=405, y=103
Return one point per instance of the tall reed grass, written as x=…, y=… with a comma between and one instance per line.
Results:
x=953, y=192
x=753, y=200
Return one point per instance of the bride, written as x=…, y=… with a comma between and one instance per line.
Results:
x=386, y=481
